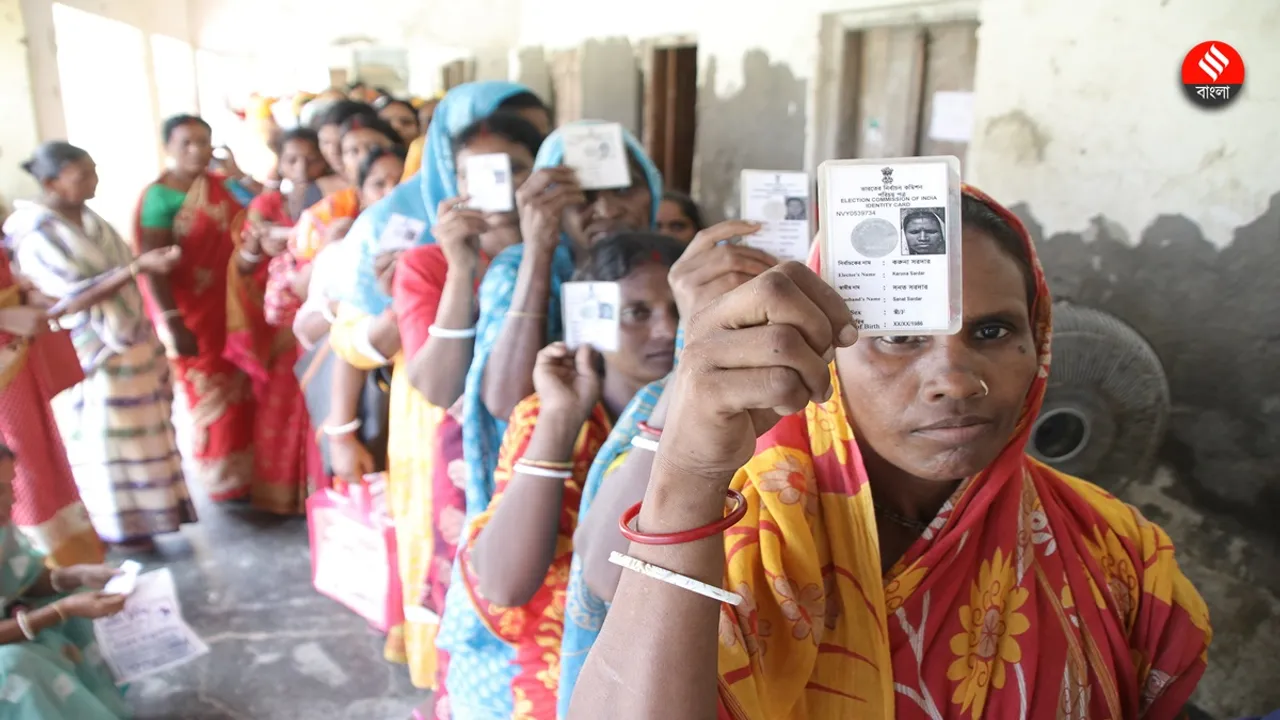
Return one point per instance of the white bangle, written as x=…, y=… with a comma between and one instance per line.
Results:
x=451, y=333
x=524, y=469
x=672, y=578
x=24, y=625
x=249, y=256
x=170, y=314
x=643, y=443
x=347, y=429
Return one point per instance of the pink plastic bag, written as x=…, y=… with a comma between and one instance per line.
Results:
x=353, y=551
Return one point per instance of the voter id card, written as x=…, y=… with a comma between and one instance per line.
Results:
x=891, y=242
x=598, y=154
x=779, y=201
x=489, y=187
x=591, y=311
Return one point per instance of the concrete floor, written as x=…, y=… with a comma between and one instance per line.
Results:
x=277, y=649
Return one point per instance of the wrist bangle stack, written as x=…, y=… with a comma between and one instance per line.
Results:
x=544, y=469
x=687, y=536
x=451, y=333
x=24, y=624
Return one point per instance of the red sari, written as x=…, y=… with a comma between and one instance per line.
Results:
x=47, y=506
x=285, y=451
x=217, y=392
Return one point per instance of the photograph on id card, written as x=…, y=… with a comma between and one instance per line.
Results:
x=891, y=242
x=489, y=187
x=401, y=233
x=598, y=154
x=779, y=201
x=591, y=314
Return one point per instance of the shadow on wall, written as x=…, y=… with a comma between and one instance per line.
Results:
x=760, y=126
x=1211, y=316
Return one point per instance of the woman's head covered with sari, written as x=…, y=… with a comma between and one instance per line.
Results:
x=418, y=199
x=593, y=225
x=1028, y=592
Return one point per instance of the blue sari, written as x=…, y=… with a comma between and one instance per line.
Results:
x=60, y=674
x=480, y=665
x=418, y=199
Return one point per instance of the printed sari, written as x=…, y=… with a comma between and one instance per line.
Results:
x=47, y=506
x=61, y=673
x=520, y=649
x=217, y=392
x=116, y=424
x=285, y=451
x=482, y=432
x=1031, y=594
x=426, y=501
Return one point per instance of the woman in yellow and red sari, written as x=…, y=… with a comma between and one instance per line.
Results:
x=196, y=209
x=260, y=337
x=899, y=555
x=515, y=560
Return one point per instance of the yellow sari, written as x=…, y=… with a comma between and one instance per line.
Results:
x=1031, y=595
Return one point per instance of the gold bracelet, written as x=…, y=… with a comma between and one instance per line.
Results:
x=133, y=269
x=62, y=617
x=523, y=314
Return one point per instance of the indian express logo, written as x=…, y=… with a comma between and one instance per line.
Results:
x=1212, y=74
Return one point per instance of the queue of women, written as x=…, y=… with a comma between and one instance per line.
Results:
x=744, y=512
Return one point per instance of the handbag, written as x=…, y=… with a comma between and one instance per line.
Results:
x=353, y=551
x=315, y=372
x=55, y=361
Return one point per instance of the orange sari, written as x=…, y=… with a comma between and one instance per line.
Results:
x=533, y=631
x=1031, y=595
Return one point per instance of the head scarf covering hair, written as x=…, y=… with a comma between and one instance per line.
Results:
x=416, y=201
x=480, y=662
x=1087, y=599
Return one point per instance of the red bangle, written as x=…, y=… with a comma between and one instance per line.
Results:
x=648, y=429
x=679, y=538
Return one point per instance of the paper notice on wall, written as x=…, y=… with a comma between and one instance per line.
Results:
x=952, y=118
x=149, y=636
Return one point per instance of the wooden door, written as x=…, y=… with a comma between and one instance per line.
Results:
x=671, y=113
x=566, y=85
x=895, y=80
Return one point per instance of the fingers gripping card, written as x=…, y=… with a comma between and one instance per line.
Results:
x=891, y=242
x=489, y=187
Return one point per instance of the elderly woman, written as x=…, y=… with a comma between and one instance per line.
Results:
x=890, y=549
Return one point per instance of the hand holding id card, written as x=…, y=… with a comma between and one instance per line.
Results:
x=891, y=242
x=489, y=187
x=598, y=154
x=591, y=311
x=779, y=201
x=401, y=233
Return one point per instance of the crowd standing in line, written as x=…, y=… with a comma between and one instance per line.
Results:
x=895, y=550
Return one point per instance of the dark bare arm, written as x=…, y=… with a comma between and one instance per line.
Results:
x=515, y=550
x=508, y=375
x=439, y=369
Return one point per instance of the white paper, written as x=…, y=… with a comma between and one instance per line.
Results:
x=489, y=183
x=779, y=200
x=952, y=118
x=591, y=311
x=149, y=635
x=886, y=236
x=598, y=154
x=126, y=581
x=401, y=233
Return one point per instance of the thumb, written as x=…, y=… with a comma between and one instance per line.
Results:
x=584, y=360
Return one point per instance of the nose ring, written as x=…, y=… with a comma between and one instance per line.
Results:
x=985, y=390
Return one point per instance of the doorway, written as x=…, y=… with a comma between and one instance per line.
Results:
x=907, y=90
x=671, y=113
x=107, y=97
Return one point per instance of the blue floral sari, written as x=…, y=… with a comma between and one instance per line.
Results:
x=61, y=673
x=480, y=665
